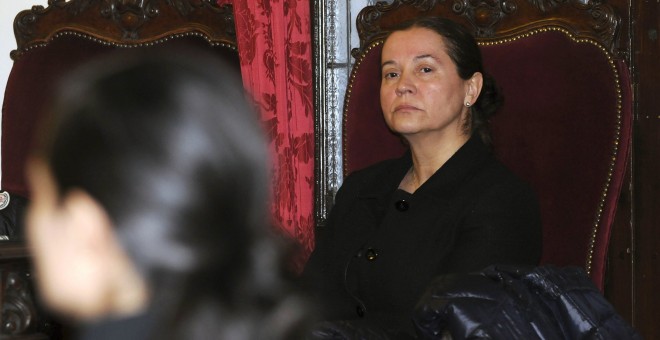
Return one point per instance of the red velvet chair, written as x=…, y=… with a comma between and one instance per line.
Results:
x=566, y=122
x=51, y=41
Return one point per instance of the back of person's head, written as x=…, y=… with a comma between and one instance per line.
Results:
x=170, y=149
x=463, y=50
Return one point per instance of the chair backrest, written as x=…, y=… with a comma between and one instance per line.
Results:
x=566, y=122
x=52, y=41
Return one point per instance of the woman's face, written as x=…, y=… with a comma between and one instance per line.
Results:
x=75, y=254
x=421, y=93
x=57, y=257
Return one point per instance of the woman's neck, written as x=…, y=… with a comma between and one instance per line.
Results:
x=427, y=157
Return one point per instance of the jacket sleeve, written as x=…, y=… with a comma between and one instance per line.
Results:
x=502, y=227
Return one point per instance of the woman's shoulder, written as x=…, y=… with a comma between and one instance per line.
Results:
x=499, y=185
x=379, y=170
x=481, y=167
x=508, y=175
x=374, y=180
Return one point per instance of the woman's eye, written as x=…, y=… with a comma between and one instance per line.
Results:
x=389, y=75
x=425, y=69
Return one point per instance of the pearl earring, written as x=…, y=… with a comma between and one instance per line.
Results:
x=467, y=104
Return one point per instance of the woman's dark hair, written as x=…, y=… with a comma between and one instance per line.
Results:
x=169, y=147
x=464, y=52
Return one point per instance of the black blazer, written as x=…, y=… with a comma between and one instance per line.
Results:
x=382, y=246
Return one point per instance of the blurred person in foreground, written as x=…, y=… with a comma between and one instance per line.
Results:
x=149, y=217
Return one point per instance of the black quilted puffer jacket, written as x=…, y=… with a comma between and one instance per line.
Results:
x=504, y=302
x=518, y=303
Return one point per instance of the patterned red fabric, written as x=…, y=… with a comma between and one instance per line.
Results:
x=274, y=43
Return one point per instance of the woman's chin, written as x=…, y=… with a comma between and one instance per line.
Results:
x=403, y=127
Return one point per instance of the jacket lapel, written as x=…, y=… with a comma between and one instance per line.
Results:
x=378, y=189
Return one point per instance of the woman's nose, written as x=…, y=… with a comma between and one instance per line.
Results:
x=404, y=86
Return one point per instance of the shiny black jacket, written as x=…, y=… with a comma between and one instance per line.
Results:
x=503, y=302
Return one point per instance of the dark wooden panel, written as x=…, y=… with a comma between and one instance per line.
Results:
x=647, y=197
x=634, y=276
x=619, y=274
x=647, y=168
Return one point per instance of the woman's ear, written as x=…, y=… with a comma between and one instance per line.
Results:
x=88, y=222
x=474, y=85
x=114, y=286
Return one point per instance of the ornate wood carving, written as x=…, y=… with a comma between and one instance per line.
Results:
x=368, y=19
x=19, y=319
x=124, y=22
x=497, y=19
x=484, y=15
x=18, y=311
x=546, y=5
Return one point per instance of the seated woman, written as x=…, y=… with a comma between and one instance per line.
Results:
x=447, y=206
x=149, y=213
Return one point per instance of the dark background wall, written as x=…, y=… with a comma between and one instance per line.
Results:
x=633, y=276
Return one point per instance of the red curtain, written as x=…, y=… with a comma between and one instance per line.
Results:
x=274, y=43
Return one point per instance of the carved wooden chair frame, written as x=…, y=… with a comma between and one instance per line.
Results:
x=118, y=24
x=124, y=23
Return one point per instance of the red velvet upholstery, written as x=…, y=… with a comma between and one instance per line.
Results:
x=32, y=79
x=54, y=40
x=564, y=127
